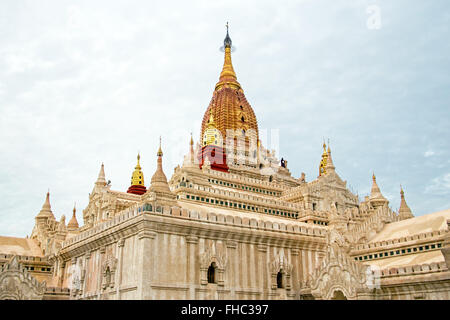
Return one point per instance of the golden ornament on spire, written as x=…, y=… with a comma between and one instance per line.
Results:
x=229, y=106
x=212, y=135
x=323, y=162
x=227, y=76
x=137, y=180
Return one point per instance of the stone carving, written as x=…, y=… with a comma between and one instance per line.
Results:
x=209, y=256
x=109, y=267
x=281, y=264
x=78, y=273
x=17, y=284
x=338, y=272
x=334, y=236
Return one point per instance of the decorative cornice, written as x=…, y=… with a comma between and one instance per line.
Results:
x=231, y=244
x=144, y=234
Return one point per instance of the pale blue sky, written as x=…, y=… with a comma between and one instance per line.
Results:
x=83, y=82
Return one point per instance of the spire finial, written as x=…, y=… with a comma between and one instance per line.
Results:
x=227, y=76
x=101, y=180
x=404, y=212
x=73, y=223
x=211, y=118
x=160, y=153
x=227, y=42
x=46, y=210
x=323, y=161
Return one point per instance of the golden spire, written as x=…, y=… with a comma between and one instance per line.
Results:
x=228, y=76
x=137, y=178
x=211, y=123
x=323, y=162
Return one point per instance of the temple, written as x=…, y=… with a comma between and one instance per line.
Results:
x=232, y=222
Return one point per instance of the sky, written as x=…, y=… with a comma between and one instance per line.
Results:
x=86, y=82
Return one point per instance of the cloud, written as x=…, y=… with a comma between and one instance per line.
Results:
x=428, y=153
x=439, y=185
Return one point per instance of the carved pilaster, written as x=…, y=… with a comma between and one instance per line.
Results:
x=120, y=244
x=146, y=238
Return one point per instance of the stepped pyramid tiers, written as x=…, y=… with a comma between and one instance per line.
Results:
x=404, y=212
x=376, y=198
x=73, y=223
x=229, y=107
x=46, y=211
x=323, y=162
x=137, y=180
x=212, y=150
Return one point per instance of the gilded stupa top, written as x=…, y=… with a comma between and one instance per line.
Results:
x=323, y=162
x=137, y=178
x=229, y=107
x=212, y=136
